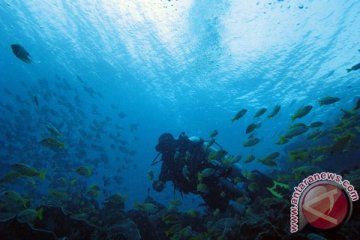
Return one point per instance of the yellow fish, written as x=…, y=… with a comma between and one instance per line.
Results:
x=249, y=159
x=57, y=194
x=146, y=207
x=191, y=212
x=12, y=197
x=214, y=133
x=170, y=218
x=175, y=202
x=10, y=176
x=202, y=188
x=26, y=170
x=117, y=198
x=274, y=111
x=260, y=112
x=301, y=112
x=230, y=160
x=73, y=182
x=207, y=172
x=84, y=171
x=52, y=143
x=239, y=115
x=94, y=190
x=30, y=215
x=269, y=160
x=53, y=130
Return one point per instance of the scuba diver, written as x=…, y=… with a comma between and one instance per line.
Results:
x=186, y=164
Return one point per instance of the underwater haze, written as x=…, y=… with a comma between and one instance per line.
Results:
x=87, y=88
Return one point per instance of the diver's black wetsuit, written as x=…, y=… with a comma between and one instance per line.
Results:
x=182, y=154
x=186, y=153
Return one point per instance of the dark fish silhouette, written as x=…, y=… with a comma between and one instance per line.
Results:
x=301, y=112
x=260, y=112
x=36, y=101
x=354, y=68
x=252, y=127
x=21, y=53
x=328, y=100
x=239, y=115
x=274, y=111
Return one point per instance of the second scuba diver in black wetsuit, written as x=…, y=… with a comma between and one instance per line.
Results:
x=186, y=164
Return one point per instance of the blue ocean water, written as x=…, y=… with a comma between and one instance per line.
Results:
x=112, y=75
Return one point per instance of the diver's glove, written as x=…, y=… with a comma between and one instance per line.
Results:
x=158, y=185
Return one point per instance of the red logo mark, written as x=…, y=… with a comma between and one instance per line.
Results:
x=325, y=206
